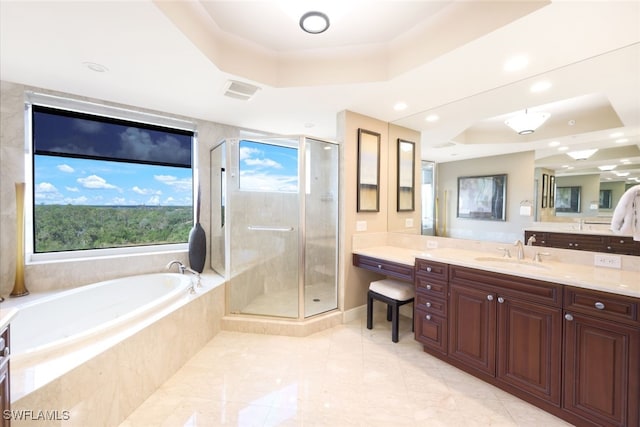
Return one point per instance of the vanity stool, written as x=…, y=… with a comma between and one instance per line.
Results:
x=394, y=293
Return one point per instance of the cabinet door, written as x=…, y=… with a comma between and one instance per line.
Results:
x=529, y=347
x=601, y=360
x=431, y=331
x=472, y=327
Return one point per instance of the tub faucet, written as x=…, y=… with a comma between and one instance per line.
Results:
x=520, y=249
x=531, y=240
x=181, y=266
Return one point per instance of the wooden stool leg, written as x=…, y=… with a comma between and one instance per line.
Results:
x=394, y=323
x=369, y=311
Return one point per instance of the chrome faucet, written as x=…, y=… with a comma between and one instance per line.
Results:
x=182, y=268
x=531, y=240
x=520, y=248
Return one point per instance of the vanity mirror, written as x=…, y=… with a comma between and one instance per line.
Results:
x=593, y=104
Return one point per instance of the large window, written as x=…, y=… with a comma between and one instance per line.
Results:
x=101, y=182
x=268, y=167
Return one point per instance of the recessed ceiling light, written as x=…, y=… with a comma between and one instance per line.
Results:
x=622, y=140
x=607, y=167
x=622, y=173
x=400, y=106
x=540, y=86
x=314, y=22
x=94, y=66
x=625, y=161
x=565, y=166
x=432, y=118
x=616, y=134
x=563, y=148
x=515, y=63
x=582, y=154
x=554, y=144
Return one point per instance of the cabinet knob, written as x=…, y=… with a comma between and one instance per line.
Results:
x=543, y=242
x=379, y=266
x=490, y=297
x=599, y=305
x=576, y=245
x=428, y=269
x=568, y=316
x=428, y=317
x=429, y=287
x=609, y=248
x=428, y=304
x=500, y=300
x=621, y=241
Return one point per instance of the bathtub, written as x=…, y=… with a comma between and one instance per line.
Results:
x=69, y=317
x=98, y=351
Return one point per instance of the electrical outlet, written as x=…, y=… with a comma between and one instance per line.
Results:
x=361, y=225
x=432, y=244
x=611, y=261
x=408, y=222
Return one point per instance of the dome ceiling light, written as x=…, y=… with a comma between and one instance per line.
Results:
x=314, y=22
x=526, y=123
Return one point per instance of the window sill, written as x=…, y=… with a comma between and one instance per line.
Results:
x=111, y=253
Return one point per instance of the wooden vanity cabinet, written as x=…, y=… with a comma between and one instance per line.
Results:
x=5, y=396
x=508, y=331
x=430, y=315
x=601, y=364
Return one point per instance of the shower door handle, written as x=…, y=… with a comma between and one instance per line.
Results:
x=266, y=228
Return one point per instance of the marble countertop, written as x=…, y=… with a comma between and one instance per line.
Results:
x=618, y=281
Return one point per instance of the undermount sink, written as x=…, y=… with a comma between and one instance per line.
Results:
x=511, y=262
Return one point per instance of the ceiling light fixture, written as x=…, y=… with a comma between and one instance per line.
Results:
x=94, y=66
x=314, y=22
x=582, y=154
x=432, y=118
x=515, y=63
x=526, y=123
x=622, y=140
x=607, y=167
x=400, y=106
x=540, y=86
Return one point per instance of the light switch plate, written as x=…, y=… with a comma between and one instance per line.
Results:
x=361, y=225
x=611, y=261
x=408, y=222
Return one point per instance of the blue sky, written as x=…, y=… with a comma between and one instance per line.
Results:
x=267, y=167
x=63, y=180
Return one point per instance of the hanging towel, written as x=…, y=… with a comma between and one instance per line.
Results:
x=626, y=216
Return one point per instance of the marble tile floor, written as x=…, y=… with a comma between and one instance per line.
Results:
x=344, y=376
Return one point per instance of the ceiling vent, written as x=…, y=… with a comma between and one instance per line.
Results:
x=239, y=90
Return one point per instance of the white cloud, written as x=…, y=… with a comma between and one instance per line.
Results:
x=183, y=184
x=247, y=152
x=96, y=182
x=263, y=182
x=46, y=187
x=66, y=168
x=155, y=200
x=264, y=163
x=87, y=126
x=72, y=189
x=82, y=200
x=145, y=191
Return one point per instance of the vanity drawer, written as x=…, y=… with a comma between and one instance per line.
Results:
x=428, y=286
x=433, y=270
x=601, y=304
x=388, y=268
x=430, y=304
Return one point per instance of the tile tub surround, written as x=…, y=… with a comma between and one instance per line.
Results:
x=343, y=376
x=107, y=381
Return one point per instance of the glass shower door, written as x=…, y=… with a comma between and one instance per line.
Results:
x=321, y=227
x=263, y=207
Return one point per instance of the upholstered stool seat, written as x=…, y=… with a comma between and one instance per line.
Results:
x=394, y=293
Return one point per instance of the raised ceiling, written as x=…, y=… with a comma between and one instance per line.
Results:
x=441, y=57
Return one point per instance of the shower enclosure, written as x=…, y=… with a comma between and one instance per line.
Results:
x=274, y=225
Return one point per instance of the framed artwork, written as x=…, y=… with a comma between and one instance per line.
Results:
x=482, y=197
x=568, y=199
x=406, y=175
x=552, y=191
x=604, y=201
x=368, y=171
x=545, y=189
